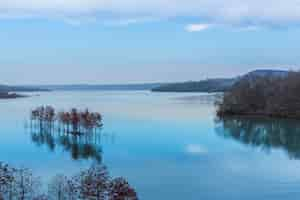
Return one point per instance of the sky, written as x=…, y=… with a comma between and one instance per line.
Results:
x=137, y=41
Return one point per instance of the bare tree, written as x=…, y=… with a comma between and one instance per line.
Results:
x=120, y=189
x=91, y=184
x=94, y=183
x=6, y=181
x=62, y=188
x=25, y=184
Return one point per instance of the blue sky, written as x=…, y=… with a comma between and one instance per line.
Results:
x=129, y=41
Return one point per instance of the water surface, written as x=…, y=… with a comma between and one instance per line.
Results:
x=168, y=146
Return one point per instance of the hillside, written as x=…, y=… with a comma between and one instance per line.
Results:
x=87, y=87
x=217, y=85
x=7, y=88
x=269, y=95
x=209, y=85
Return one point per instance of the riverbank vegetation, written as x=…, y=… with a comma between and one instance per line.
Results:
x=275, y=96
x=93, y=183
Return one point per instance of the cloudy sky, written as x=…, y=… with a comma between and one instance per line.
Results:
x=129, y=41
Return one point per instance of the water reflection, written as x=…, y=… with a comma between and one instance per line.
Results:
x=263, y=133
x=87, y=146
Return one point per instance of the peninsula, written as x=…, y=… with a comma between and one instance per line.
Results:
x=273, y=94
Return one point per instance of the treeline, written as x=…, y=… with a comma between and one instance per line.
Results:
x=276, y=96
x=209, y=85
x=91, y=184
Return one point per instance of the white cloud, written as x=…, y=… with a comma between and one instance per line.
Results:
x=249, y=28
x=128, y=21
x=209, y=11
x=196, y=27
x=195, y=149
x=79, y=20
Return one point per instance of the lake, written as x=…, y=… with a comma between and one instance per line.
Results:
x=167, y=145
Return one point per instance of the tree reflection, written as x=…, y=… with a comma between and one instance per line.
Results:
x=263, y=133
x=83, y=140
x=87, y=146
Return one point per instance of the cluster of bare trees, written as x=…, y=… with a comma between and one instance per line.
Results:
x=43, y=114
x=91, y=184
x=271, y=96
x=79, y=120
x=74, y=121
x=17, y=183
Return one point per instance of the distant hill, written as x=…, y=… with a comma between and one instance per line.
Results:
x=267, y=73
x=27, y=89
x=86, y=87
x=209, y=85
x=4, y=88
x=253, y=75
x=218, y=85
x=7, y=88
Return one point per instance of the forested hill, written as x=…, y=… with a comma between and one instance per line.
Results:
x=209, y=85
x=218, y=85
x=276, y=96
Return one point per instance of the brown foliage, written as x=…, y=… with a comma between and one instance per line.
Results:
x=121, y=190
x=271, y=96
x=91, y=184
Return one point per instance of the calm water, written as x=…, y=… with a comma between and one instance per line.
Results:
x=168, y=146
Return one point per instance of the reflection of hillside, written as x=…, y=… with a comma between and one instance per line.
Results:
x=266, y=134
x=80, y=147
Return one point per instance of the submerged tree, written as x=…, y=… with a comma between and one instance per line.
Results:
x=75, y=121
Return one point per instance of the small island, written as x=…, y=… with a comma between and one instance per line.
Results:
x=272, y=94
x=11, y=92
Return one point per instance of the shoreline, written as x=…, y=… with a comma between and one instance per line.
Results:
x=12, y=96
x=257, y=115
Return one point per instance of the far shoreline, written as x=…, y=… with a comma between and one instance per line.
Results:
x=256, y=116
x=12, y=96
